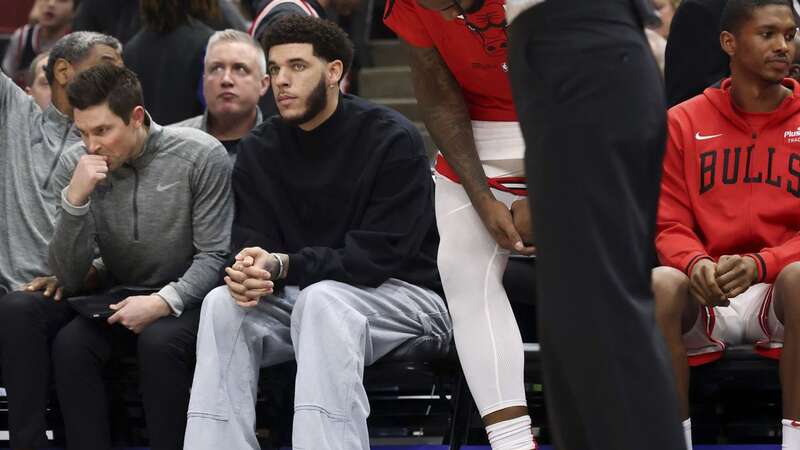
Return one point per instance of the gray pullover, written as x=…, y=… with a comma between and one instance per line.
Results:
x=31, y=142
x=161, y=222
x=201, y=123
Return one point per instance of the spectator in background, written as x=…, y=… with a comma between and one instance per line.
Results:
x=657, y=38
x=36, y=84
x=118, y=18
x=658, y=46
x=693, y=59
x=665, y=10
x=794, y=70
x=167, y=55
x=234, y=79
x=121, y=18
x=180, y=181
x=32, y=140
x=54, y=21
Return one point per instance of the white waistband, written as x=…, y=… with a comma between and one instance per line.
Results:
x=498, y=140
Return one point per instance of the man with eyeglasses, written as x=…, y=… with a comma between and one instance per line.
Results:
x=458, y=63
x=592, y=110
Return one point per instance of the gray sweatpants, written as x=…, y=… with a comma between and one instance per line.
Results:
x=332, y=329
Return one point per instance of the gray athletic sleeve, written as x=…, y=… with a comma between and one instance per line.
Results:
x=11, y=56
x=212, y=212
x=71, y=250
x=16, y=112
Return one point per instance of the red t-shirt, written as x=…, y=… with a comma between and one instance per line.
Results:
x=477, y=58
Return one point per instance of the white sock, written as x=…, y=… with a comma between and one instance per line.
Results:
x=791, y=434
x=512, y=434
x=687, y=432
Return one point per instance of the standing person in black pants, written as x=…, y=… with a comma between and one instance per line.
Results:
x=595, y=139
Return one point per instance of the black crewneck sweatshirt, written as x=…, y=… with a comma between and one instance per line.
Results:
x=350, y=201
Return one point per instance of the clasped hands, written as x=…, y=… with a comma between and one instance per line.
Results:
x=248, y=278
x=511, y=228
x=715, y=283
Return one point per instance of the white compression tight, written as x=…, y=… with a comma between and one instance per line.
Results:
x=471, y=265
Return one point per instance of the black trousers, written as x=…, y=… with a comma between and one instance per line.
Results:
x=28, y=324
x=592, y=112
x=166, y=356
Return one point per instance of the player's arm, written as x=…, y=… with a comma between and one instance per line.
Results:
x=447, y=118
x=677, y=242
x=446, y=115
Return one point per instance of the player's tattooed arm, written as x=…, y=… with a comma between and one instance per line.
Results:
x=447, y=118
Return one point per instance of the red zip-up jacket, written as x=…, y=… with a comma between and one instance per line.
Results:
x=731, y=183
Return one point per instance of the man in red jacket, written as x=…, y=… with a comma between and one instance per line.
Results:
x=728, y=220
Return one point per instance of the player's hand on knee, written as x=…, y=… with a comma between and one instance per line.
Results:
x=523, y=220
x=498, y=221
x=50, y=286
x=735, y=274
x=703, y=284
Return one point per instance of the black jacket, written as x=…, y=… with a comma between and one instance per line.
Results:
x=170, y=68
x=350, y=201
x=694, y=59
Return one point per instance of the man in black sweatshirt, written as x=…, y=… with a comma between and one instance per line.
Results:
x=336, y=265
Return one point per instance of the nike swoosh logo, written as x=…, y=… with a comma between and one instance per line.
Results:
x=162, y=188
x=700, y=137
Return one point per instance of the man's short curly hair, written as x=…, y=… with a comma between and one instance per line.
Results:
x=329, y=41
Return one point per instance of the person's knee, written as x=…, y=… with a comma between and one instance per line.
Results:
x=316, y=296
x=453, y=250
x=17, y=308
x=671, y=291
x=321, y=303
x=218, y=304
x=70, y=346
x=164, y=342
x=787, y=287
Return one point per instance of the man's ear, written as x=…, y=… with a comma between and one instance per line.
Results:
x=62, y=72
x=137, y=116
x=728, y=42
x=335, y=72
x=264, y=85
x=29, y=92
x=794, y=71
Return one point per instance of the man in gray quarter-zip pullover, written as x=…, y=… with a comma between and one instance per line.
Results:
x=158, y=205
x=31, y=140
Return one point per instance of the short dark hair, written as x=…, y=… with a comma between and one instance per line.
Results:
x=103, y=83
x=164, y=16
x=329, y=41
x=76, y=46
x=737, y=12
